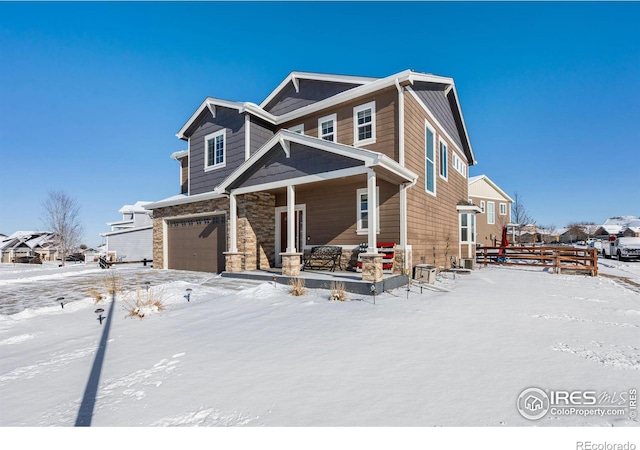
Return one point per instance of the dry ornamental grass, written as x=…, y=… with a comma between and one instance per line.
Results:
x=338, y=292
x=297, y=287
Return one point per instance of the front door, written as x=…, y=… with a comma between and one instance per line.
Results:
x=281, y=230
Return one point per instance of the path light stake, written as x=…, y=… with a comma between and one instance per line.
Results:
x=274, y=282
x=373, y=292
x=61, y=301
x=188, y=296
x=99, y=312
x=146, y=285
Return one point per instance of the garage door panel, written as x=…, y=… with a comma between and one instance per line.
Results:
x=197, y=244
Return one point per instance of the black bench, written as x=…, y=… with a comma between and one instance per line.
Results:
x=323, y=257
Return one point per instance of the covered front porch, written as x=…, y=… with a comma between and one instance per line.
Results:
x=323, y=194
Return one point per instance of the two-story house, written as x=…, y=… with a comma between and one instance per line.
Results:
x=495, y=210
x=322, y=160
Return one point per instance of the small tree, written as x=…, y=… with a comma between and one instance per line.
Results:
x=519, y=213
x=61, y=215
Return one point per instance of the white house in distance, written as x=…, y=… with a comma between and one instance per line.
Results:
x=131, y=239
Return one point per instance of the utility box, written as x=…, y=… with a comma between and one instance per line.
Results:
x=425, y=273
x=467, y=263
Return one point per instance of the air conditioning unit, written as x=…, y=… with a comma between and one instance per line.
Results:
x=467, y=263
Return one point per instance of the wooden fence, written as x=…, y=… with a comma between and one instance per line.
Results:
x=557, y=258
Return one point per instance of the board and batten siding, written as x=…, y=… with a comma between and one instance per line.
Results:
x=386, y=122
x=433, y=96
x=310, y=91
x=433, y=228
x=260, y=133
x=206, y=181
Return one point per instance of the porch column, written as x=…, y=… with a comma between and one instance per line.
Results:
x=291, y=219
x=291, y=259
x=234, y=261
x=372, y=260
x=373, y=211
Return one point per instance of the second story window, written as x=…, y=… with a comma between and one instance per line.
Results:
x=297, y=129
x=443, y=159
x=364, y=124
x=327, y=128
x=491, y=213
x=430, y=160
x=214, y=147
x=503, y=209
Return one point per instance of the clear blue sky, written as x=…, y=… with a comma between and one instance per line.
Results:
x=92, y=94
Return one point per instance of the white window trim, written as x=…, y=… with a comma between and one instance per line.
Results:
x=503, y=206
x=471, y=228
x=435, y=159
x=297, y=128
x=446, y=162
x=459, y=164
x=494, y=213
x=332, y=117
x=359, y=229
x=208, y=138
x=356, y=110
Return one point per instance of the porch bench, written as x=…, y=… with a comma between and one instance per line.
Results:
x=323, y=257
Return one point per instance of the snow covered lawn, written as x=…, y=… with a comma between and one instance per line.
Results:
x=253, y=355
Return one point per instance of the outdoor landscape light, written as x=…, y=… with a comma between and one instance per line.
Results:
x=61, y=301
x=373, y=292
x=188, y=296
x=146, y=285
x=99, y=312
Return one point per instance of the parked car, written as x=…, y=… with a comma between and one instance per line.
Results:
x=28, y=260
x=622, y=248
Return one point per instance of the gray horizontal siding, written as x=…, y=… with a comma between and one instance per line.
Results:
x=275, y=166
x=432, y=94
x=132, y=245
x=233, y=122
x=261, y=132
x=311, y=91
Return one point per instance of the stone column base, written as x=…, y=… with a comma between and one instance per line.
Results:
x=371, y=267
x=233, y=261
x=291, y=264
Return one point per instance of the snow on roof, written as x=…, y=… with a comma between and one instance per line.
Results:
x=619, y=220
x=137, y=207
x=180, y=154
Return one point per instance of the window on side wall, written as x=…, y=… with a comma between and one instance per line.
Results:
x=503, y=209
x=459, y=165
x=482, y=205
x=215, y=150
x=327, y=128
x=297, y=129
x=430, y=160
x=467, y=228
x=443, y=159
x=491, y=213
x=363, y=208
x=364, y=124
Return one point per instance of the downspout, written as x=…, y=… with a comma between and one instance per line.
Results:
x=403, y=187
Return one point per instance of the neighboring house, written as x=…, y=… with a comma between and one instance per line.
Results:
x=495, y=210
x=323, y=160
x=131, y=239
x=614, y=226
x=28, y=243
x=632, y=228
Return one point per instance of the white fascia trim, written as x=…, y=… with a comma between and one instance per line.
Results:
x=186, y=199
x=492, y=184
x=464, y=126
x=294, y=76
x=247, y=137
x=342, y=173
x=438, y=124
x=209, y=103
x=179, y=154
x=129, y=230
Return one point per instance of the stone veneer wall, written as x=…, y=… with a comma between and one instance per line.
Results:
x=256, y=230
x=255, y=227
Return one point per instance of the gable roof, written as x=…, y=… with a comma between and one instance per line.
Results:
x=364, y=86
x=283, y=137
x=486, y=179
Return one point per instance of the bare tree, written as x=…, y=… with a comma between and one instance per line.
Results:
x=519, y=213
x=61, y=215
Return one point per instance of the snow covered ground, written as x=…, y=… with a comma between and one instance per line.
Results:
x=241, y=353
